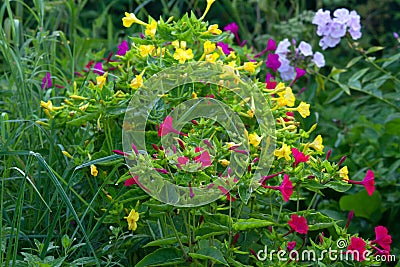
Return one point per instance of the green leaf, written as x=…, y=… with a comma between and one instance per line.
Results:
x=162, y=257
x=392, y=124
x=369, y=207
x=345, y=88
x=166, y=241
x=356, y=76
x=374, y=49
x=339, y=186
x=353, y=61
x=335, y=73
x=245, y=224
x=317, y=221
x=209, y=253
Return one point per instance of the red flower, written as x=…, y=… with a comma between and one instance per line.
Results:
x=226, y=192
x=286, y=188
x=298, y=224
x=291, y=245
x=166, y=127
x=357, y=244
x=182, y=161
x=382, y=237
x=299, y=156
x=270, y=84
x=204, y=157
x=131, y=181
x=368, y=182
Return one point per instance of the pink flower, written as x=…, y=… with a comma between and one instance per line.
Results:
x=299, y=156
x=204, y=157
x=226, y=192
x=291, y=245
x=232, y=27
x=299, y=73
x=349, y=218
x=368, y=182
x=161, y=170
x=166, y=127
x=119, y=152
x=98, y=68
x=382, y=237
x=122, y=48
x=357, y=244
x=273, y=62
x=286, y=188
x=271, y=46
x=47, y=82
x=298, y=224
x=225, y=48
x=182, y=161
x=131, y=181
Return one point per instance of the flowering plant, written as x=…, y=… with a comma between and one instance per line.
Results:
x=270, y=170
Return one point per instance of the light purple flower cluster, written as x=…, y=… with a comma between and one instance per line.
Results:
x=333, y=29
x=302, y=52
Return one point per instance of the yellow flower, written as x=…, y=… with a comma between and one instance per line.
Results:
x=84, y=107
x=250, y=113
x=286, y=97
x=224, y=162
x=232, y=64
x=49, y=105
x=101, y=80
x=137, y=82
x=317, y=143
x=231, y=55
x=177, y=44
x=344, y=173
x=66, y=154
x=254, y=139
x=208, y=47
x=160, y=52
x=182, y=55
x=130, y=18
x=151, y=28
x=284, y=151
x=209, y=3
x=132, y=218
x=194, y=95
x=93, y=170
x=249, y=66
x=145, y=50
x=213, y=29
x=304, y=109
x=212, y=58
x=77, y=97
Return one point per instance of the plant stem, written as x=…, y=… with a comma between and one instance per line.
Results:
x=311, y=202
x=177, y=237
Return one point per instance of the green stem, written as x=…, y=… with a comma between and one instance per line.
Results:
x=177, y=237
x=311, y=202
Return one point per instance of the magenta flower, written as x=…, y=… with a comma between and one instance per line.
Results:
x=300, y=73
x=131, y=181
x=182, y=161
x=119, y=152
x=98, y=68
x=273, y=62
x=166, y=127
x=161, y=170
x=298, y=224
x=226, y=192
x=225, y=48
x=286, y=188
x=123, y=47
x=349, y=218
x=232, y=27
x=382, y=237
x=299, y=156
x=357, y=247
x=47, y=82
x=204, y=157
x=191, y=193
x=291, y=245
x=271, y=45
x=368, y=182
